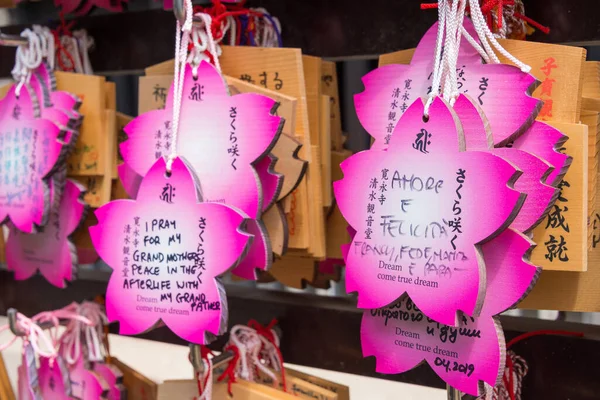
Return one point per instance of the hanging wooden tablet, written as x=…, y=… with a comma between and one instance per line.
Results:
x=113, y=377
x=89, y=156
x=329, y=87
x=469, y=355
x=539, y=196
x=291, y=270
x=562, y=237
x=173, y=250
x=276, y=73
x=51, y=251
x=299, y=387
x=30, y=152
x=276, y=224
x=27, y=376
x=122, y=121
x=290, y=165
x=337, y=233
x=85, y=384
x=325, y=145
x=559, y=69
x=238, y=131
x=152, y=92
x=58, y=107
x=281, y=69
x=439, y=209
x=312, y=80
x=396, y=86
x=54, y=380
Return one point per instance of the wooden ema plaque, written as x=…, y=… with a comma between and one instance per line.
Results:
x=330, y=87
x=578, y=291
x=560, y=72
x=90, y=155
x=152, y=92
x=562, y=237
x=282, y=70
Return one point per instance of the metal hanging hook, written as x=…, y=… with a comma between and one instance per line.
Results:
x=179, y=10
x=180, y=13
x=13, y=40
x=11, y=313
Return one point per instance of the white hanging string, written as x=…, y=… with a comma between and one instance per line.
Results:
x=182, y=38
x=211, y=44
x=72, y=47
x=454, y=38
x=27, y=58
x=449, y=67
x=33, y=334
x=93, y=331
x=48, y=46
x=437, y=63
x=84, y=44
x=233, y=28
x=249, y=343
x=488, y=39
x=476, y=45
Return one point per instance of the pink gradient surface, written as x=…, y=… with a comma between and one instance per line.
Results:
x=29, y=151
x=390, y=89
x=52, y=385
x=534, y=170
x=107, y=372
x=545, y=142
x=168, y=273
x=85, y=385
x=443, y=274
x=50, y=251
x=209, y=131
x=401, y=336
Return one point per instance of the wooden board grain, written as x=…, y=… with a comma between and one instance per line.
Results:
x=276, y=225
x=562, y=86
x=325, y=146
x=560, y=71
x=90, y=155
x=99, y=187
x=591, y=79
x=291, y=270
x=337, y=233
x=330, y=87
x=592, y=120
x=6, y=390
x=152, y=92
x=562, y=238
x=281, y=70
x=571, y=291
x=121, y=120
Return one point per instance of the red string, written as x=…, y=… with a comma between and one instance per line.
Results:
x=533, y=23
x=204, y=353
x=510, y=384
x=542, y=332
x=267, y=333
x=64, y=29
x=489, y=5
x=229, y=372
x=499, y=14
